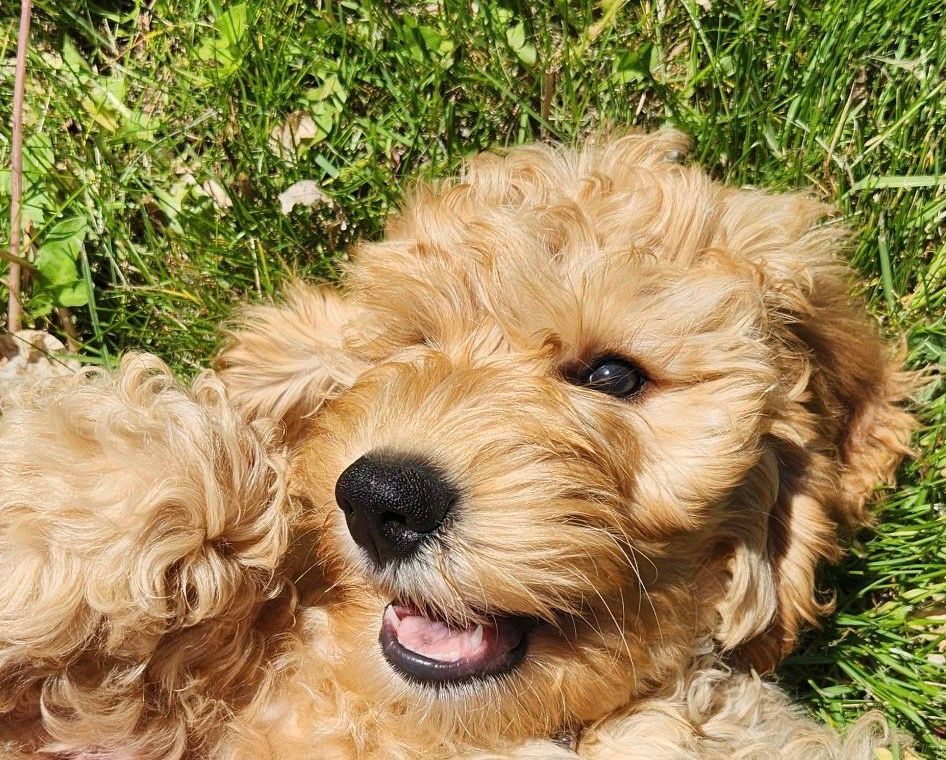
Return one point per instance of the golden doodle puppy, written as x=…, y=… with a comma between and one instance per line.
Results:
x=549, y=476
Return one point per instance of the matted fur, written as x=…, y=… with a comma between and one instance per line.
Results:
x=179, y=593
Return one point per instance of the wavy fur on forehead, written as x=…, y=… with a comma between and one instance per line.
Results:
x=182, y=583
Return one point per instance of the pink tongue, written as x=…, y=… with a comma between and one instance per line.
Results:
x=437, y=640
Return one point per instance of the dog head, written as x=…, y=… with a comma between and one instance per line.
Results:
x=578, y=412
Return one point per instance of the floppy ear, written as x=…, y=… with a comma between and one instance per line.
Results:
x=283, y=361
x=836, y=429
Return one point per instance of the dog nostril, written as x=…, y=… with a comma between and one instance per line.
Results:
x=392, y=503
x=400, y=537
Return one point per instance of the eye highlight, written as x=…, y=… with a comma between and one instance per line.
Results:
x=613, y=375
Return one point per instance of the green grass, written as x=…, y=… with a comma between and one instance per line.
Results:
x=131, y=106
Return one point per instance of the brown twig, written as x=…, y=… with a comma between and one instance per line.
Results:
x=548, y=91
x=18, y=260
x=69, y=328
x=14, y=311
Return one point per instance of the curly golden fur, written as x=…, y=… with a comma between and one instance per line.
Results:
x=180, y=582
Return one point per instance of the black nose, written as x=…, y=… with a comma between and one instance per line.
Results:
x=392, y=504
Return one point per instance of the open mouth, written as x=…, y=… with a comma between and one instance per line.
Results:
x=435, y=652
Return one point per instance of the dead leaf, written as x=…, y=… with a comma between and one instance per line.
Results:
x=214, y=190
x=285, y=138
x=305, y=192
x=28, y=357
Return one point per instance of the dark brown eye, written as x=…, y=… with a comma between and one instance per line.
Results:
x=612, y=375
